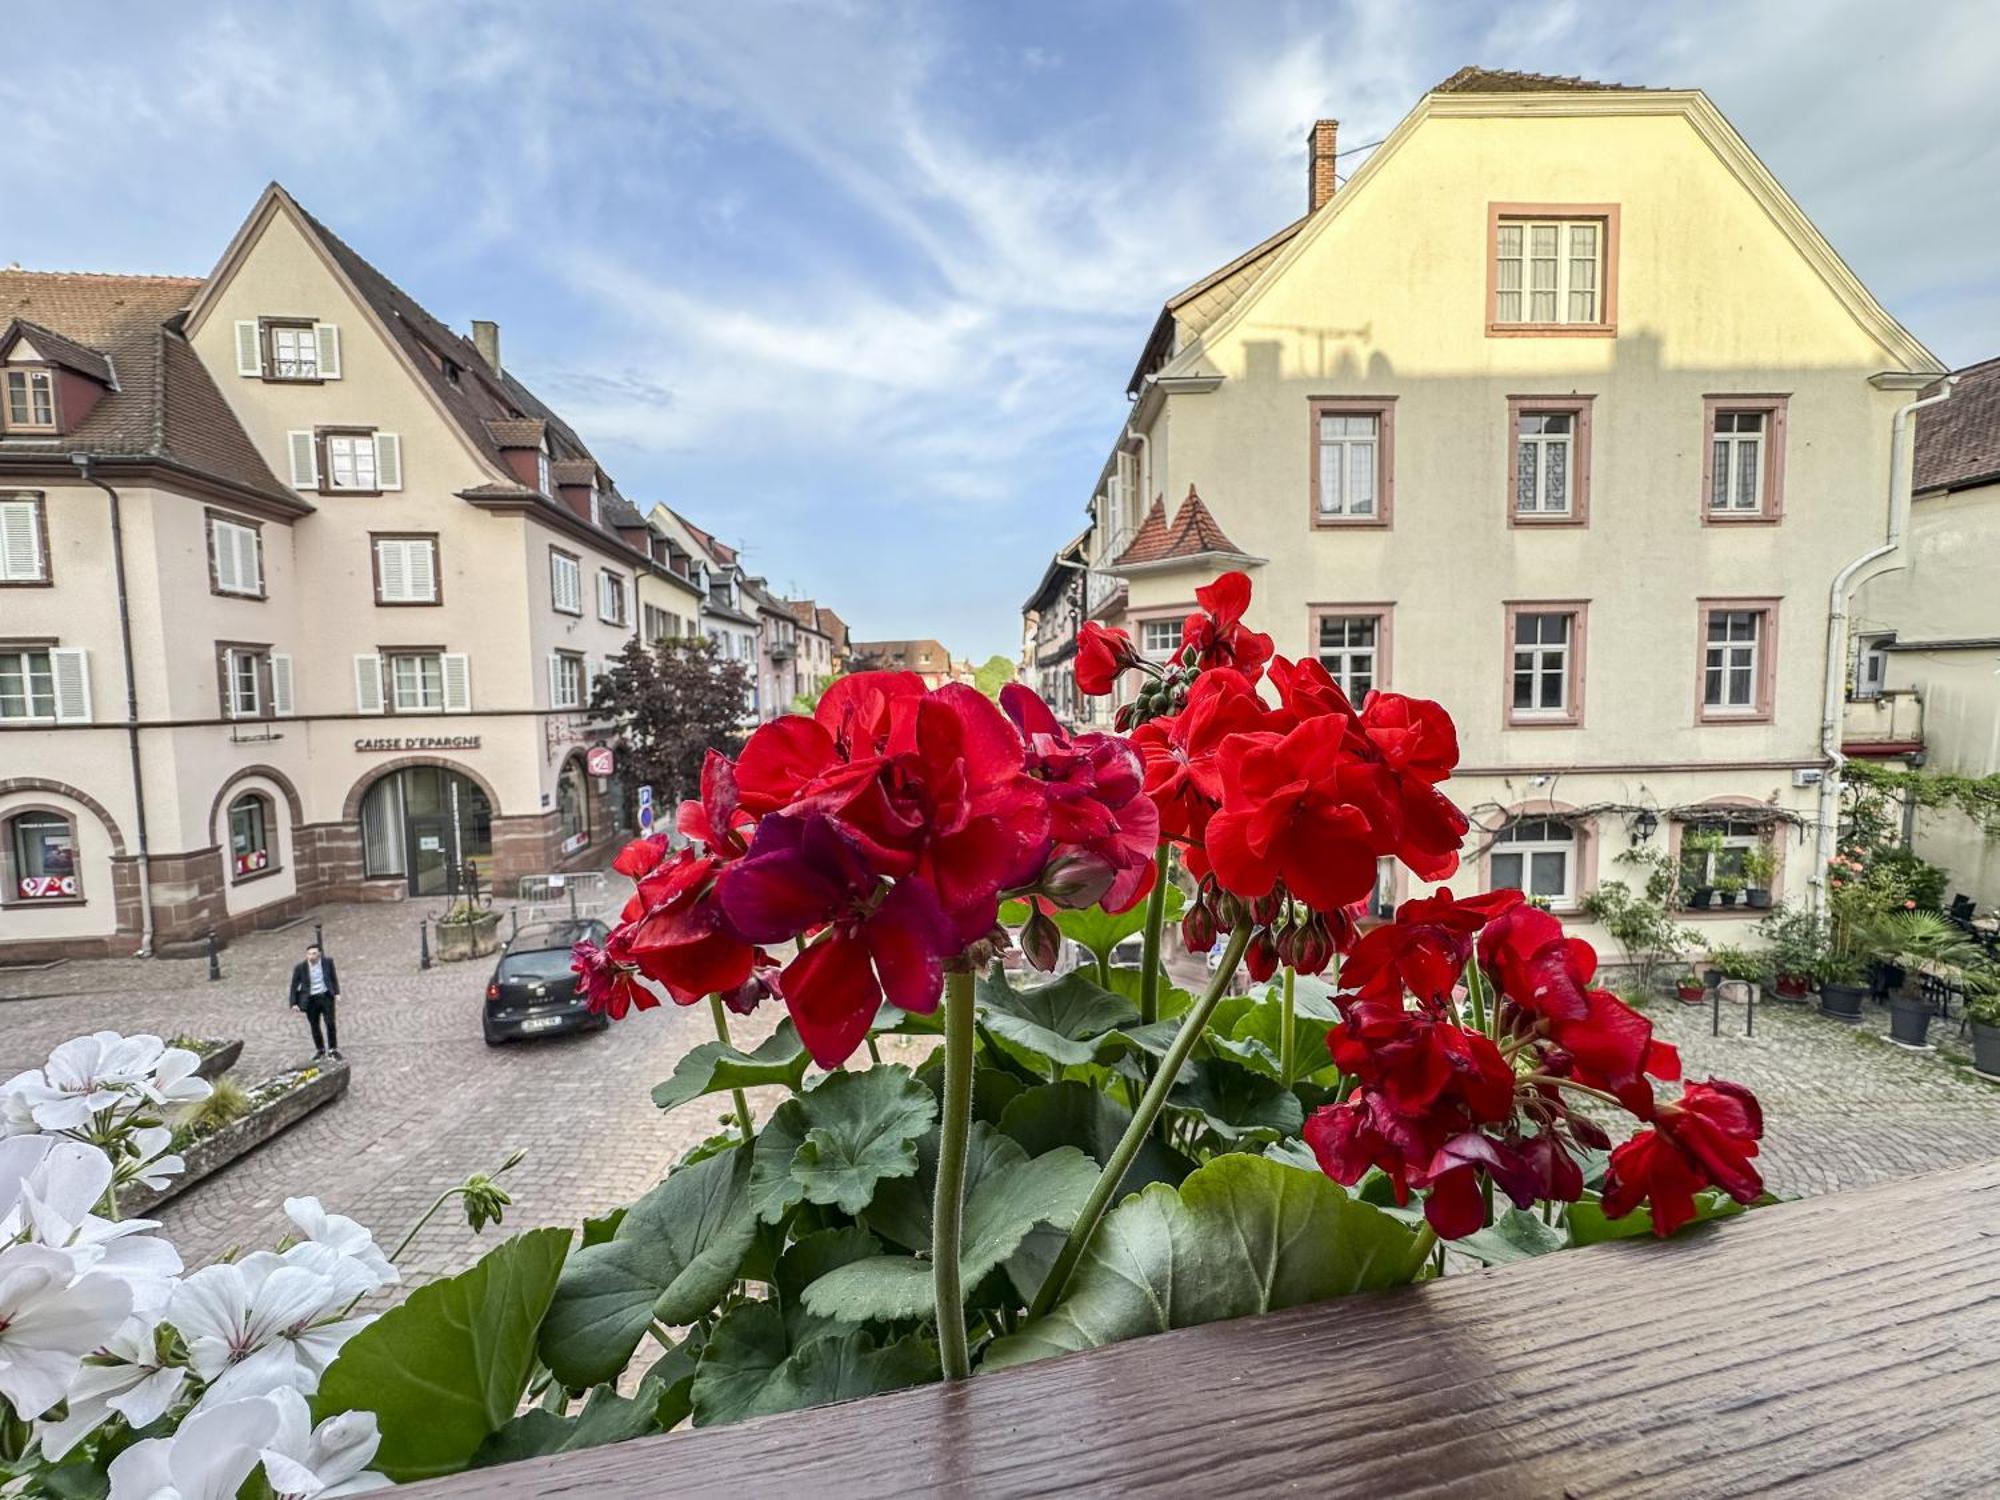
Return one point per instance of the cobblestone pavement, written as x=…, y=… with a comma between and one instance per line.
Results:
x=430, y=1102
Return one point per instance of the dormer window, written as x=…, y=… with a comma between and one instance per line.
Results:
x=31, y=401
x=542, y=481
x=596, y=507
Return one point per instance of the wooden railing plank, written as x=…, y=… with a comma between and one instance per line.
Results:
x=1844, y=1345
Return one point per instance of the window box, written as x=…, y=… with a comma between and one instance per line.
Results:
x=1353, y=477
x=1743, y=460
x=1552, y=270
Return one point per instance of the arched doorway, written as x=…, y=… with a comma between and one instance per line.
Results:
x=419, y=820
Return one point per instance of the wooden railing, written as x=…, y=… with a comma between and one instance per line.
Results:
x=1839, y=1346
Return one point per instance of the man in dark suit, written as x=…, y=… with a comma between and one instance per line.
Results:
x=315, y=986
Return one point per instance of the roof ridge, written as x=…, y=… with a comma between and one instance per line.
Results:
x=157, y=276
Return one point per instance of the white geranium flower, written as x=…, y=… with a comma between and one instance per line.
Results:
x=50, y=1318
x=126, y=1378
x=347, y=1238
x=260, y=1323
x=173, y=1079
x=152, y=1163
x=88, y=1075
x=302, y=1461
x=208, y=1458
x=48, y=1187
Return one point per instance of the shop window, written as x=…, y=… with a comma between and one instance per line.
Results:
x=573, y=808
x=250, y=821
x=42, y=847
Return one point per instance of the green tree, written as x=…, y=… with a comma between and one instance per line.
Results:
x=997, y=672
x=673, y=704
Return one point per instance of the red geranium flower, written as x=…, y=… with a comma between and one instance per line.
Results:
x=1706, y=1138
x=1100, y=819
x=678, y=937
x=1217, y=632
x=608, y=987
x=1101, y=654
x=1182, y=776
x=1424, y=950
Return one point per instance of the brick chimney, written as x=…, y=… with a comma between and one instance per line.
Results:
x=1319, y=163
x=486, y=336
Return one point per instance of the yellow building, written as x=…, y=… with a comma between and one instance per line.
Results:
x=1560, y=412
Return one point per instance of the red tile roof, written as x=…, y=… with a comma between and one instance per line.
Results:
x=1472, y=80
x=1958, y=443
x=1192, y=533
x=58, y=350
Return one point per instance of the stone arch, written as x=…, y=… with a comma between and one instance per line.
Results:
x=271, y=774
x=82, y=799
x=1583, y=879
x=350, y=810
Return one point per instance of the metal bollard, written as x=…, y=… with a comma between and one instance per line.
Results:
x=513, y=923
x=319, y=938
x=214, y=957
x=423, y=945
x=572, y=899
x=1715, y=1014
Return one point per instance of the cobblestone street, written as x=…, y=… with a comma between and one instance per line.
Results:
x=430, y=1102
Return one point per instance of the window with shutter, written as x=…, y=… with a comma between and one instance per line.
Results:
x=406, y=570
x=457, y=683
x=327, y=337
x=281, y=684
x=305, y=460
x=565, y=583
x=388, y=461
x=24, y=556
x=71, y=670
x=236, y=564
x=368, y=684
x=27, y=684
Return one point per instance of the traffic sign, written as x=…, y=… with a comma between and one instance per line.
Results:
x=645, y=809
x=599, y=761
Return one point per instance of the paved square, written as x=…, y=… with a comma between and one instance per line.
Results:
x=430, y=1102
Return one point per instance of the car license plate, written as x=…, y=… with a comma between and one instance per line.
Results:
x=541, y=1023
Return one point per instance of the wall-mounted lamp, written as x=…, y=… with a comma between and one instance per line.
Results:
x=1643, y=824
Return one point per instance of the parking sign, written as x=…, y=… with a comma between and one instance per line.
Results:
x=645, y=809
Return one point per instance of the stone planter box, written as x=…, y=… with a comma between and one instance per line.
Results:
x=214, y=1064
x=212, y=1153
x=475, y=939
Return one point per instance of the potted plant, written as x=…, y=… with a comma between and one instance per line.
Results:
x=1982, y=1009
x=1760, y=865
x=1912, y=943
x=1842, y=988
x=1689, y=988
x=1797, y=945
x=1697, y=860
x=1740, y=965
x=1729, y=889
x=468, y=930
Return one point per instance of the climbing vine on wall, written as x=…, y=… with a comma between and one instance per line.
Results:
x=1868, y=787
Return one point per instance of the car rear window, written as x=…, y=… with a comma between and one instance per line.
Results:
x=551, y=964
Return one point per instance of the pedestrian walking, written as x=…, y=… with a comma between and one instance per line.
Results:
x=315, y=987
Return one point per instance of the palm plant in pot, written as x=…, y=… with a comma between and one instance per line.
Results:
x=1698, y=850
x=1915, y=943
x=1760, y=866
x=1982, y=1011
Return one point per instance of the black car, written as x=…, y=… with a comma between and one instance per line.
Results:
x=533, y=990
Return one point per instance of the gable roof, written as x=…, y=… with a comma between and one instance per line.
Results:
x=1477, y=80
x=163, y=406
x=1483, y=92
x=1192, y=534
x=58, y=350
x=1958, y=443
x=923, y=654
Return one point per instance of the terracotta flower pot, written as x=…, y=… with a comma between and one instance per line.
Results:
x=1793, y=986
x=1690, y=994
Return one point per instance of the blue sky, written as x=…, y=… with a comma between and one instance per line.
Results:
x=858, y=285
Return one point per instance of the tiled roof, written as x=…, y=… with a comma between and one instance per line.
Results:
x=1958, y=443
x=574, y=471
x=165, y=405
x=719, y=551
x=832, y=625
x=1471, y=80
x=920, y=655
x=1192, y=533
x=58, y=350
x=516, y=432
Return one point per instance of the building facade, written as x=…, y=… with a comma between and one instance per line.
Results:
x=302, y=598
x=1923, y=683
x=1558, y=412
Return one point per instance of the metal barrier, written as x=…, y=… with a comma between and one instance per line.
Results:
x=585, y=888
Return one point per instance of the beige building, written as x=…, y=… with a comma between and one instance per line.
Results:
x=1924, y=682
x=302, y=597
x=1560, y=412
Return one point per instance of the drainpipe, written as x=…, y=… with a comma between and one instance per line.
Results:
x=82, y=462
x=1145, y=443
x=1827, y=824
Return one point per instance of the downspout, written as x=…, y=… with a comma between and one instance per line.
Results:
x=1827, y=827
x=1145, y=442
x=82, y=462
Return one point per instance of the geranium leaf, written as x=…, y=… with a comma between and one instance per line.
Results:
x=833, y=1144
x=597, y=1231
x=1513, y=1235
x=1013, y=1194
x=1589, y=1226
x=1072, y=1113
x=1100, y=931
x=1237, y=1104
x=446, y=1369
x=676, y=1251
x=1250, y=1031
x=805, y=1262
x=1241, y=1236
x=606, y=1417
x=751, y=1369
x=715, y=1067
x=901, y=1212
x=1169, y=1000
x=1062, y=1020
x=1293, y=1152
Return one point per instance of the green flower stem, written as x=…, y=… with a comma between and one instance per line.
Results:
x=1149, y=963
x=947, y=1208
x=428, y=1214
x=743, y=1119
x=1475, y=988
x=1420, y=1251
x=1150, y=1105
x=1287, y=1048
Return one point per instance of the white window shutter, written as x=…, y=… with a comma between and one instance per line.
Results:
x=249, y=565
x=305, y=461
x=555, y=681
x=422, y=560
x=388, y=461
x=20, y=541
x=281, y=684
x=328, y=338
x=457, y=683
x=249, y=348
x=368, y=684
x=392, y=562
x=222, y=539
x=71, y=668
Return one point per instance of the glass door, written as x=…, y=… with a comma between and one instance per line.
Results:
x=429, y=845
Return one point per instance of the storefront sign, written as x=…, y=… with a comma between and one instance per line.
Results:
x=599, y=761
x=575, y=842
x=46, y=887
x=252, y=860
x=421, y=742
